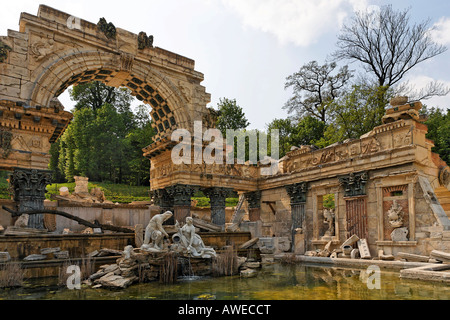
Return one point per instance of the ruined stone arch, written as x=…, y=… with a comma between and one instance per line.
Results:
x=151, y=87
x=54, y=50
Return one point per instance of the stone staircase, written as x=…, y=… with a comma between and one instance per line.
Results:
x=443, y=195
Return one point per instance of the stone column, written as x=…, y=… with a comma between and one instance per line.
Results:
x=297, y=192
x=181, y=195
x=165, y=202
x=254, y=205
x=29, y=192
x=218, y=198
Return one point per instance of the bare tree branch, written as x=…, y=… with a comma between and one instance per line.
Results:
x=387, y=44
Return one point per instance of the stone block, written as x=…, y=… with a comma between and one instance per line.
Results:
x=350, y=241
x=363, y=247
x=4, y=257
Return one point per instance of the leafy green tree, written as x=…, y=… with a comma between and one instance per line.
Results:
x=308, y=131
x=286, y=131
x=94, y=95
x=136, y=140
x=104, y=142
x=230, y=116
x=359, y=111
x=439, y=131
x=58, y=175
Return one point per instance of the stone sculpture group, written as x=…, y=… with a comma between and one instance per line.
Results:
x=186, y=241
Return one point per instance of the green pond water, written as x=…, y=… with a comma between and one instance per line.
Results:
x=273, y=282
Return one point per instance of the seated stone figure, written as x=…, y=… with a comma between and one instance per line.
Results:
x=155, y=232
x=189, y=242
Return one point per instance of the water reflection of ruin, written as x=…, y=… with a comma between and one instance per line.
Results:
x=391, y=166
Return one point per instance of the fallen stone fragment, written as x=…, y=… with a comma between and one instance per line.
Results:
x=350, y=241
x=61, y=255
x=50, y=250
x=111, y=280
x=35, y=257
x=5, y=257
x=440, y=255
x=249, y=243
x=252, y=265
x=413, y=257
x=248, y=273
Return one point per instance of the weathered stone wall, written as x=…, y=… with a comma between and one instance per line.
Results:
x=117, y=215
x=425, y=233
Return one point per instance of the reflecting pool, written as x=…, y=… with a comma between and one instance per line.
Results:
x=273, y=282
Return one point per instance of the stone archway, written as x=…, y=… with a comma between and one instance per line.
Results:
x=53, y=51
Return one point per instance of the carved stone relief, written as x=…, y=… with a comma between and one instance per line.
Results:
x=371, y=147
x=40, y=49
x=395, y=211
x=354, y=184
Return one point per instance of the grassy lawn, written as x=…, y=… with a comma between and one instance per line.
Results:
x=125, y=194
x=114, y=192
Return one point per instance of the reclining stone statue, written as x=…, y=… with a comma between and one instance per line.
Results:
x=187, y=241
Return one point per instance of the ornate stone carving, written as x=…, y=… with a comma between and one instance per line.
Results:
x=354, y=184
x=181, y=194
x=126, y=62
x=395, y=215
x=144, y=41
x=5, y=142
x=163, y=199
x=217, y=196
x=108, y=29
x=329, y=219
x=29, y=192
x=371, y=147
x=297, y=192
x=40, y=49
x=402, y=139
x=4, y=51
x=444, y=177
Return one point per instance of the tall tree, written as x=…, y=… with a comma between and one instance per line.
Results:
x=230, y=116
x=387, y=43
x=104, y=142
x=439, y=131
x=286, y=130
x=308, y=131
x=358, y=111
x=315, y=87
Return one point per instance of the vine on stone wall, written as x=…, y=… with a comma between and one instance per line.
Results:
x=4, y=49
x=5, y=142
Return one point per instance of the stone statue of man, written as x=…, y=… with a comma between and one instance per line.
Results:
x=155, y=231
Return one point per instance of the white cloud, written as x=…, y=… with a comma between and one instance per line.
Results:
x=441, y=31
x=300, y=22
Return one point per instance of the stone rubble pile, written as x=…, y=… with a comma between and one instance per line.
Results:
x=137, y=266
x=347, y=250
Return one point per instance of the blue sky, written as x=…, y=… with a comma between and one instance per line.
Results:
x=247, y=48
